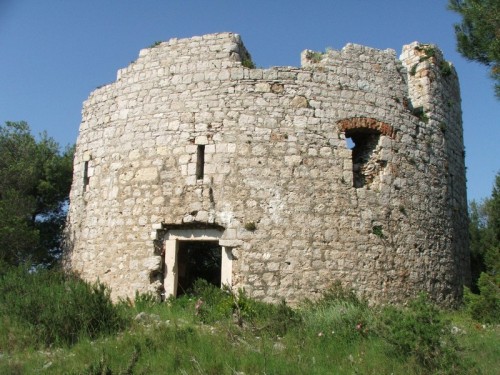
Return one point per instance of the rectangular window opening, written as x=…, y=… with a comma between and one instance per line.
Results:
x=364, y=166
x=200, y=162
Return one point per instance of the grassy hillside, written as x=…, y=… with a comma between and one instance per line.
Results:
x=56, y=324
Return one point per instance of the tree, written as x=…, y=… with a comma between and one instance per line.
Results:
x=485, y=257
x=477, y=225
x=492, y=235
x=35, y=179
x=478, y=35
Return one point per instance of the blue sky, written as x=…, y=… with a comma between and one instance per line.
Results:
x=55, y=52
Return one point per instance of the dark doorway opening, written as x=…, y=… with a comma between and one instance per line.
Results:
x=198, y=260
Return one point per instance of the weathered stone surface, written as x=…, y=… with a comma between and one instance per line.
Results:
x=299, y=102
x=297, y=205
x=152, y=263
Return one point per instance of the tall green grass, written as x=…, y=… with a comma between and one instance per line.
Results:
x=41, y=308
x=214, y=331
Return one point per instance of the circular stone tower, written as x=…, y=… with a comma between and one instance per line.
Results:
x=285, y=180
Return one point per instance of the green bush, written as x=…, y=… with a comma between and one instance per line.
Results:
x=339, y=312
x=144, y=301
x=484, y=307
x=57, y=308
x=214, y=304
x=272, y=319
x=420, y=333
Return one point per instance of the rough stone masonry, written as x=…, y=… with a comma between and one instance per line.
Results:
x=349, y=168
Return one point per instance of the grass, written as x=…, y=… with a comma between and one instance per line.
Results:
x=213, y=331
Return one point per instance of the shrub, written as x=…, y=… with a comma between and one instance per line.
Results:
x=248, y=63
x=214, y=304
x=378, y=231
x=57, y=308
x=144, y=301
x=250, y=226
x=445, y=68
x=272, y=319
x=420, y=333
x=339, y=312
x=484, y=307
x=314, y=57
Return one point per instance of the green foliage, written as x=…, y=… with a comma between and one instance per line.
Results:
x=314, y=57
x=248, y=63
x=56, y=308
x=484, y=230
x=35, y=179
x=420, y=333
x=214, y=305
x=246, y=60
x=429, y=52
x=250, y=226
x=100, y=367
x=339, y=312
x=337, y=293
x=420, y=113
x=155, y=44
x=413, y=69
x=144, y=301
x=478, y=37
x=378, y=231
x=263, y=317
x=485, y=306
x=492, y=237
x=445, y=68
x=477, y=223
x=423, y=117
x=336, y=334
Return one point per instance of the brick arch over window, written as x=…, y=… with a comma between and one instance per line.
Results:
x=366, y=123
x=364, y=133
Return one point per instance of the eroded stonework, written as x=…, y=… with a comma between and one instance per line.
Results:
x=189, y=144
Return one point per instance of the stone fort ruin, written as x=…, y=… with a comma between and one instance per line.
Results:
x=280, y=181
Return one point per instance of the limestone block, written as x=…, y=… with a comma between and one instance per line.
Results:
x=191, y=169
x=152, y=263
x=299, y=102
x=202, y=216
x=185, y=159
x=262, y=87
x=277, y=88
x=230, y=243
x=125, y=176
x=86, y=156
x=146, y=174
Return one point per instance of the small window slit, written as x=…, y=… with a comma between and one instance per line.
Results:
x=200, y=162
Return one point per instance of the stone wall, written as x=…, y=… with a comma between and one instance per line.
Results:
x=296, y=207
